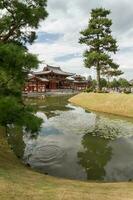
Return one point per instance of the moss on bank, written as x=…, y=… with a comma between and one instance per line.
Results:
x=118, y=104
x=20, y=182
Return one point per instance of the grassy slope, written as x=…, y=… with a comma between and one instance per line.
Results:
x=119, y=104
x=20, y=182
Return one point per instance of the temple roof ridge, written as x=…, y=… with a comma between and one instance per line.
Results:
x=56, y=70
x=49, y=67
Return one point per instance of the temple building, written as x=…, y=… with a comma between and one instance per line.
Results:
x=54, y=78
x=80, y=83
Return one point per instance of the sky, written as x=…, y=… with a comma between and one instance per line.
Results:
x=58, y=35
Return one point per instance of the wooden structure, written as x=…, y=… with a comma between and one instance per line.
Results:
x=36, y=84
x=80, y=83
x=53, y=78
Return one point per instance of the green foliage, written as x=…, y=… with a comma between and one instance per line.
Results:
x=127, y=91
x=97, y=36
x=17, y=21
x=114, y=83
x=19, y=16
x=13, y=112
x=16, y=142
x=103, y=82
x=15, y=63
x=30, y=122
x=120, y=83
x=123, y=83
x=90, y=89
x=94, y=83
x=9, y=110
x=111, y=72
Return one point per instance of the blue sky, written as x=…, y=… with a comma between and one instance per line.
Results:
x=58, y=35
x=48, y=38
x=67, y=57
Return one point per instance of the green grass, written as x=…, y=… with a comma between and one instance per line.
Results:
x=118, y=104
x=18, y=182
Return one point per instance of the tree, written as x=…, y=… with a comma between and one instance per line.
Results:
x=15, y=63
x=14, y=113
x=97, y=36
x=114, y=84
x=109, y=73
x=20, y=18
x=123, y=83
x=17, y=21
x=103, y=82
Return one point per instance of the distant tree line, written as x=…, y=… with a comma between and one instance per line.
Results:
x=120, y=85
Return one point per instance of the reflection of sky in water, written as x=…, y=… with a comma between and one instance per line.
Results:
x=66, y=135
x=120, y=167
x=73, y=121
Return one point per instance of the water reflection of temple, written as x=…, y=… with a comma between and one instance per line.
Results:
x=54, y=78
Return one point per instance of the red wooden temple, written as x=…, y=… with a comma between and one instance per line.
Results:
x=53, y=78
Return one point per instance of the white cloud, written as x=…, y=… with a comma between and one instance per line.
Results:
x=70, y=17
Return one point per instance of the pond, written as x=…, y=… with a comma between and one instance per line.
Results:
x=77, y=144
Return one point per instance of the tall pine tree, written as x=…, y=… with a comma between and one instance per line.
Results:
x=97, y=36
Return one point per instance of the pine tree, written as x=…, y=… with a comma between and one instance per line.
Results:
x=110, y=72
x=18, y=21
x=97, y=36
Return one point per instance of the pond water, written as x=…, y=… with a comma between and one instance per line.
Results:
x=77, y=144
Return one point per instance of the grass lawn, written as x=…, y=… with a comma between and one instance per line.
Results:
x=18, y=182
x=119, y=104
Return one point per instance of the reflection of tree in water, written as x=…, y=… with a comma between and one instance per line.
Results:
x=95, y=156
x=106, y=128
x=55, y=103
x=15, y=139
x=51, y=104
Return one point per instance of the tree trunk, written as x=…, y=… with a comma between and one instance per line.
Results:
x=98, y=80
x=108, y=81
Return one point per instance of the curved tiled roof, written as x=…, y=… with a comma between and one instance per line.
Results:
x=51, y=68
x=56, y=70
x=42, y=72
x=41, y=79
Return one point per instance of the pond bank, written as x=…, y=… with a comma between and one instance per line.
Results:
x=118, y=104
x=20, y=182
x=60, y=92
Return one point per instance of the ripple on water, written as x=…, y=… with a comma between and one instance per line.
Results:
x=47, y=155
